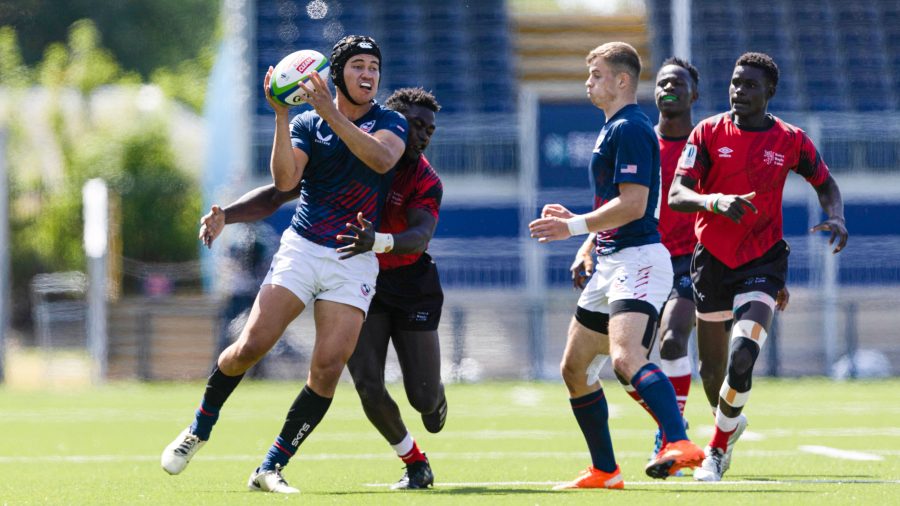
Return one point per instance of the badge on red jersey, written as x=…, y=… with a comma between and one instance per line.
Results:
x=688, y=156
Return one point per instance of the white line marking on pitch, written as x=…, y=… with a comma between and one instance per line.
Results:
x=837, y=453
x=660, y=483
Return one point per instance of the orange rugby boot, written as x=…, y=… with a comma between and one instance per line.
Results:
x=674, y=456
x=594, y=478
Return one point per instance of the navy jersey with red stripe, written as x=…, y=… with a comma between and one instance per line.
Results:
x=627, y=151
x=415, y=185
x=336, y=184
x=724, y=158
x=675, y=229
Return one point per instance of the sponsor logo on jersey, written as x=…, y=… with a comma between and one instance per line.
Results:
x=628, y=168
x=725, y=152
x=395, y=198
x=367, y=126
x=326, y=140
x=773, y=158
x=365, y=289
x=304, y=64
x=688, y=156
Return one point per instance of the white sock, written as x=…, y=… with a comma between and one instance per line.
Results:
x=404, y=446
x=724, y=423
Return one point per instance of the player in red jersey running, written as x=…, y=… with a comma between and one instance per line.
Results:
x=408, y=298
x=732, y=170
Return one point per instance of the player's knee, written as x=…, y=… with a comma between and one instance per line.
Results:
x=626, y=365
x=424, y=399
x=743, y=356
x=326, y=371
x=673, y=345
x=571, y=374
x=370, y=392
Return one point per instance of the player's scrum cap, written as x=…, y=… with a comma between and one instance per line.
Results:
x=346, y=48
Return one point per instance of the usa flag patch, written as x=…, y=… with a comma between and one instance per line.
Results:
x=628, y=169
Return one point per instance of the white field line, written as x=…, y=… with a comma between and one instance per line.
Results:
x=837, y=453
x=659, y=483
x=385, y=456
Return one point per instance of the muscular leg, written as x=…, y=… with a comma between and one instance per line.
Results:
x=751, y=326
x=675, y=327
x=419, y=354
x=366, y=366
x=337, y=330
x=712, y=348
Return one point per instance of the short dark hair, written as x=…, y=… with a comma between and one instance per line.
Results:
x=403, y=98
x=761, y=61
x=621, y=56
x=686, y=65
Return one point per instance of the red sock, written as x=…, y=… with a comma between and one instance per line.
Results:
x=682, y=385
x=720, y=438
x=413, y=455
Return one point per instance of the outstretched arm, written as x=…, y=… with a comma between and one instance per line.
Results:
x=414, y=239
x=833, y=205
x=683, y=198
x=254, y=205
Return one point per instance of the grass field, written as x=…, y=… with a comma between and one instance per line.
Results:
x=810, y=441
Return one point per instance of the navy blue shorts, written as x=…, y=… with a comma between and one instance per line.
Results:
x=682, y=286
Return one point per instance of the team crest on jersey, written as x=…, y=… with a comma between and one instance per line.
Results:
x=773, y=158
x=367, y=126
x=688, y=156
x=725, y=152
x=365, y=289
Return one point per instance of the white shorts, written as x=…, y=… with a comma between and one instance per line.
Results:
x=312, y=271
x=639, y=272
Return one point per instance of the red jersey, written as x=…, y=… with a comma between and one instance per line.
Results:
x=675, y=229
x=723, y=158
x=415, y=186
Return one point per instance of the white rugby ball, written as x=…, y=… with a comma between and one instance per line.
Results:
x=294, y=69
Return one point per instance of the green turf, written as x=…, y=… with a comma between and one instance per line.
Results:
x=502, y=442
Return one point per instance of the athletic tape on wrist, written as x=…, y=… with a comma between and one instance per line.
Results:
x=384, y=243
x=577, y=225
x=712, y=203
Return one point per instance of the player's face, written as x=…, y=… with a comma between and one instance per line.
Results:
x=421, y=128
x=601, y=83
x=749, y=92
x=675, y=90
x=362, y=75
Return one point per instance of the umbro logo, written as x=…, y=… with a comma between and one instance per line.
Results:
x=725, y=152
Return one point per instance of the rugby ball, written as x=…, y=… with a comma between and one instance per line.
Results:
x=294, y=69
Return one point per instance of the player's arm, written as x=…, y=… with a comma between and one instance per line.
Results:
x=833, y=204
x=414, y=239
x=254, y=205
x=380, y=151
x=683, y=198
x=287, y=162
x=583, y=266
x=558, y=223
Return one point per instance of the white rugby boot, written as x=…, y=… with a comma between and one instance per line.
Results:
x=180, y=451
x=711, y=468
x=270, y=481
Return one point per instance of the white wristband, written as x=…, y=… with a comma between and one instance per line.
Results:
x=577, y=225
x=384, y=243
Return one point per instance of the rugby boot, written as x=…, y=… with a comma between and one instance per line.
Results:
x=712, y=467
x=176, y=456
x=434, y=421
x=732, y=440
x=270, y=481
x=594, y=478
x=417, y=476
x=674, y=456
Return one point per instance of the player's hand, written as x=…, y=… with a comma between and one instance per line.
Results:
x=782, y=299
x=556, y=210
x=583, y=266
x=211, y=225
x=278, y=107
x=549, y=229
x=734, y=207
x=318, y=95
x=838, y=230
x=359, y=243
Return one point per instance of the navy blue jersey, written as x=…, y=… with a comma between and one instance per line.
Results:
x=336, y=184
x=627, y=151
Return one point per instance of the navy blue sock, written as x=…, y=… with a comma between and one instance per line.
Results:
x=306, y=412
x=657, y=391
x=218, y=388
x=592, y=414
